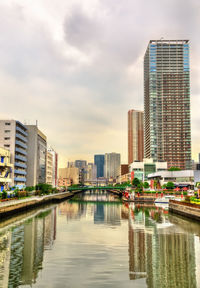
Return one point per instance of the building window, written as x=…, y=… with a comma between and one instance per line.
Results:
x=6, y=138
x=6, y=145
x=7, y=131
x=7, y=123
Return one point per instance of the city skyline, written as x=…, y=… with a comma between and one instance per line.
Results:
x=67, y=66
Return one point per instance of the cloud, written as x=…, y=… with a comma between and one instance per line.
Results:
x=77, y=66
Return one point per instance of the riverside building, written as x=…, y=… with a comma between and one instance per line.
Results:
x=37, y=149
x=13, y=137
x=167, y=131
x=135, y=136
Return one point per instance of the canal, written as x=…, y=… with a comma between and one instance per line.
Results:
x=94, y=240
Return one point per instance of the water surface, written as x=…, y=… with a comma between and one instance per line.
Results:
x=96, y=241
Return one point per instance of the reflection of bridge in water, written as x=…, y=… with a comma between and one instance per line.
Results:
x=97, y=196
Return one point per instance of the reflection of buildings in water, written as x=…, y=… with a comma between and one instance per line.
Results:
x=112, y=214
x=49, y=229
x=99, y=214
x=165, y=259
x=27, y=247
x=16, y=256
x=72, y=210
x=5, y=241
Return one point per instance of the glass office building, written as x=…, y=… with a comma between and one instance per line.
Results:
x=99, y=162
x=167, y=131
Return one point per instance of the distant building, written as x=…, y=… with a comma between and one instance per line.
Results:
x=123, y=174
x=167, y=102
x=5, y=169
x=13, y=137
x=68, y=176
x=112, y=164
x=54, y=166
x=37, y=149
x=141, y=170
x=99, y=161
x=135, y=136
x=91, y=172
x=49, y=168
x=70, y=164
x=80, y=163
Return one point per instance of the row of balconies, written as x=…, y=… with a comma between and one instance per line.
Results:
x=21, y=172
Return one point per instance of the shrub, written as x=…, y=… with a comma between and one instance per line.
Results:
x=4, y=194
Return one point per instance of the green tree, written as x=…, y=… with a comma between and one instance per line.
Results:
x=135, y=182
x=170, y=185
x=146, y=185
x=174, y=169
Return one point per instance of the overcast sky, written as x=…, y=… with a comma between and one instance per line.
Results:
x=77, y=67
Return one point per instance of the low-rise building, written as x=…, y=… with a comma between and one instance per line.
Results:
x=184, y=178
x=5, y=169
x=141, y=170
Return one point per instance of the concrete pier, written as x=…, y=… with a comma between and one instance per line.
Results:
x=14, y=206
x=185, y=209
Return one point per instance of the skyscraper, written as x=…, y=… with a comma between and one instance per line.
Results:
x=112, y=164
x=167, y=130
x=99, y=162
x=135, y=136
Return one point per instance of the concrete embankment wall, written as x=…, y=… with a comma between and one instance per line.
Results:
x=11, y=209
x=186, y=209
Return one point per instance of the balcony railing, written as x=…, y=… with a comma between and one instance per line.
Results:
x=20, y=151
x=21, y=144
x=21, y=137
x=20, y=179
x=21, y=172
x=18, y=157
x=22, y=131
x=21, y=165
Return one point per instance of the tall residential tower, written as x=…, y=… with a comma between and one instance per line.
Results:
x=167, y=130
x=135, y=136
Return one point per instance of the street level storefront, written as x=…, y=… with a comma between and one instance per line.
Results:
x=184, y=178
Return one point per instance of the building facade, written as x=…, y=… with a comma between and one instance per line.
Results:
x=141, y=170
x=13, y=137
x=49, y=168
x=112, y=164
x=54, y=166
x=36, y=160
x=135, y=136
x=80, y=163
x=167, y=131
x=99, y=161
x=5, y=169
x=68, y=176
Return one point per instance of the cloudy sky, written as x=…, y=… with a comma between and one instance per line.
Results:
x=77, y=67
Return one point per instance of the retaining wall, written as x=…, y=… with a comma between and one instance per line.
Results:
x=186, y=209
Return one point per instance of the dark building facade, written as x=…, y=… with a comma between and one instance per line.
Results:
x=99, y=161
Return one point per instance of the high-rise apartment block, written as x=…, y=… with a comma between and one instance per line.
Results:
x=135, y=136
x=36, y=164
x=13, y=136
x=167, y=130
x=112, y=164
x=99, y=162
